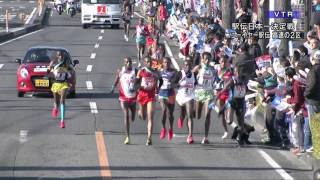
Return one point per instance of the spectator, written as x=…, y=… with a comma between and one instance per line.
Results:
x=245, y=62
x=312, y=93
x=305, y=55
x=310, y=35
x=255, y=49
x=162, y=17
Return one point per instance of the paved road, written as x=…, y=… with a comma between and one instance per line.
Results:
x=33, y=146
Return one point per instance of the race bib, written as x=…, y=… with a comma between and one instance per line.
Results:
x=61, y=75
x=239, y=91
x=166, y=84
x=147, y=83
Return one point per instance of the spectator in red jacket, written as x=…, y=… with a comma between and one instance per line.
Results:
x=162, y=17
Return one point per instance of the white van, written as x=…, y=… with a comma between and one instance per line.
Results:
x=101, y=12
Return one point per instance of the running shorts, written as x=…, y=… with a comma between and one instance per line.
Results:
x=58, y=87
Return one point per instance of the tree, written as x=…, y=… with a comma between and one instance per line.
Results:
x=263, y=19
x=227, y=13
x=283, y=6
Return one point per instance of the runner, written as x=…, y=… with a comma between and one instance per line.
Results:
x=127, y=93
x=126, y=17
x=225, y=74
x=167, y=96
x=185, y=97
x=147, y=78
x=236, y=102
x=61, y=74
x=206, y=77
x=141, y=33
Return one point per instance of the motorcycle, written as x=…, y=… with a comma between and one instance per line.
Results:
x=71, y=9
x=59, y=6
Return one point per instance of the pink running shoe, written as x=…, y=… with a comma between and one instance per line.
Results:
x=170, y=134
x=163, y=133
x=62, y=125
x=189, y=140
x=54, y=112
x=180, y=123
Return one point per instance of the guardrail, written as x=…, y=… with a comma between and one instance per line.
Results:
x=38, y=23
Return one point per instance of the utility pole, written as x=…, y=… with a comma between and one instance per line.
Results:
x=263, y=19
x=7, y=20
x=228, y=14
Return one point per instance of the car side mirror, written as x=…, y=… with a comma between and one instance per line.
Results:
x=75, y=62
x=18, y=61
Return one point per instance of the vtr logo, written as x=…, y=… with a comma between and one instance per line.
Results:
x=101, y=9
x=284, y=14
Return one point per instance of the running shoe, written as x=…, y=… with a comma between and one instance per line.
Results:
x=170, y=134
x=189, y=140
x=310, y=150
x=54, y=112
x=205, y=141
x=149, y=142
x=62, y=125
x=163, y=133
x=180, y=123
x=139, y=64
x=127, y=140
x=225, y=134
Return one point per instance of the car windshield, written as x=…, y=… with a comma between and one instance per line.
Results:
x=44, y=55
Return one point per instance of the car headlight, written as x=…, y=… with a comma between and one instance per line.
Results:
x=24, y=73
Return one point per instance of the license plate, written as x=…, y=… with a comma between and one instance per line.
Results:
x=42, y=83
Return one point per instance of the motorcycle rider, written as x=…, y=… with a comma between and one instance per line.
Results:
x=58, y=2
x=70, y=3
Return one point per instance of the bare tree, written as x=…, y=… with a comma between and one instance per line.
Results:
x=263, y=19
x=228, y=14
x=283, y=6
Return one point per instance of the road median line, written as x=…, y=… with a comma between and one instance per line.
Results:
x=105, y=171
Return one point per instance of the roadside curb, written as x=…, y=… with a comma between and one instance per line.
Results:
x=40, y=23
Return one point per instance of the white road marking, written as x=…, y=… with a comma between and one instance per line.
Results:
x=100, y=37
x=96, y=45
x=31, y=15
x=89, y=85
x=179, y=136
x=93, y=107
x=1, y=66
x=174, y=62
x=20, y=37
x=1, y=1
x=93, y=55
x=102, y=31
x=89, y=68
x=22, y=7
x=31, y=2
x=23, y=136
x=275, y=165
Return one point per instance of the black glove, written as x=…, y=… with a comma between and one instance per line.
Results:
x=112, y=89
